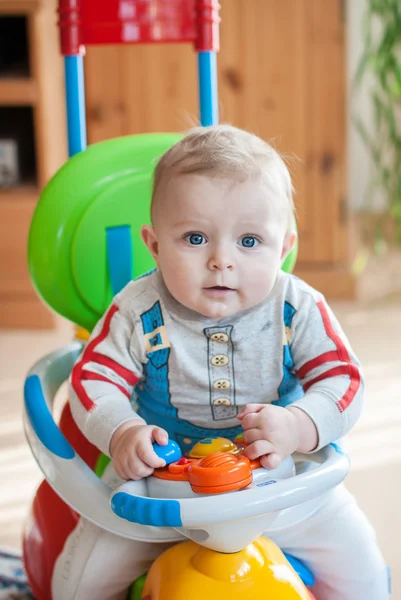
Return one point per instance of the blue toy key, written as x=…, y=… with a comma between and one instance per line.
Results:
x=171, y=452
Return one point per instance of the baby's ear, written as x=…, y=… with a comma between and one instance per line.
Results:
x=288, y=244
x=149, y=238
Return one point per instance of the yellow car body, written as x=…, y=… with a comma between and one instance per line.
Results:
x=188, y=571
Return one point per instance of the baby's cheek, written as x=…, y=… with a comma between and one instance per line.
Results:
x=184, y=269
x=258, y=285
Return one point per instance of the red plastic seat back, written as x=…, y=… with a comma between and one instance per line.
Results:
x=86, y=22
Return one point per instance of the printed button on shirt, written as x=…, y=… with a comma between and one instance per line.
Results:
x=220, y=360
x=221, y=402
x=221, y=384
x=220, y=352
x=219, y=337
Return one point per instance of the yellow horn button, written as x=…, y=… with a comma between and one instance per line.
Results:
x=209, y=446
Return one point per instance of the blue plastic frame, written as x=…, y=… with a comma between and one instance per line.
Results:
x=75, y=103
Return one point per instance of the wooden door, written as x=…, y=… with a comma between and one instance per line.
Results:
x=281, y=75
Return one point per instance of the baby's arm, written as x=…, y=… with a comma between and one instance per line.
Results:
x=332, y=380
x=101, y=386
x=329, y=371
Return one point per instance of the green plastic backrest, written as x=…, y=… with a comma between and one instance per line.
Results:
x=107, y=185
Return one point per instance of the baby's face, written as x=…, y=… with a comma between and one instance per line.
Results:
x=217, y=243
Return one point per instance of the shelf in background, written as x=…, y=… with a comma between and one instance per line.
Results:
x=32, y=118
x=18, y=7
x=18, y=91
x=28, y=192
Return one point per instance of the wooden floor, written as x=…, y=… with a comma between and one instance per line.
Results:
x=374, y=444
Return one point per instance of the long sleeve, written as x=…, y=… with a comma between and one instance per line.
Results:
x=329, y=372
x=103, y=379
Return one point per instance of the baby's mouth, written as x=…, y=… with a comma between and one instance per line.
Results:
x=219, y=289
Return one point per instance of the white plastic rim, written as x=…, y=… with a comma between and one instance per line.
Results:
x=80, y=487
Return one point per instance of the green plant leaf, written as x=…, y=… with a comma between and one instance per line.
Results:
x=381, y=59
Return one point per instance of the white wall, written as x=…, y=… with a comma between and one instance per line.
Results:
x=359, y=163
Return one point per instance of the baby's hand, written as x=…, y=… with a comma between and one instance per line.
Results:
x=272, y=433
x=132, y=452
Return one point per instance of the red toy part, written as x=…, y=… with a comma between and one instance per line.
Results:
x=87, y=451
x=49, y=524
x=207, y=22
x=86, y=22
x=51, y=520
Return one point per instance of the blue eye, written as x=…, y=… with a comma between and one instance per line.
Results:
x=249, y=241
x=195, y=239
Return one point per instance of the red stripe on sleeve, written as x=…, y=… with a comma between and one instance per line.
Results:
x=340, y=370
x=77, y=375
x=339, y=354
x=91, y=376
x=343, y=355
x=349, y=395
x=126, y=374
x=316, y=362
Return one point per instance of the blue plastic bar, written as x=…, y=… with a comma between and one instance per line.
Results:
x=42, y=421
x=75, y=101
x=119, y=256
x=208, y=95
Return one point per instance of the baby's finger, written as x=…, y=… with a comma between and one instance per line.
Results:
x=250, y=421
x=258, y=448
x=270, y=461
x=250, y=408
x=148, y=455
x=140, y=471
x=252, y=435
x=160, y=436
x=136, y=468
x=121, y=472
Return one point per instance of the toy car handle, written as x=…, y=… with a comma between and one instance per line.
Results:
x=256, y=501
x=67, y=473
x=63, y=468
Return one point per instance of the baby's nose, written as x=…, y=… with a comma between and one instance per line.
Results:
x=220, y=262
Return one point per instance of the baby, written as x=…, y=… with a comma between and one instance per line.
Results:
x=215, y=342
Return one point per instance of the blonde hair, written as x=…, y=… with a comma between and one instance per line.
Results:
x=226, y=151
